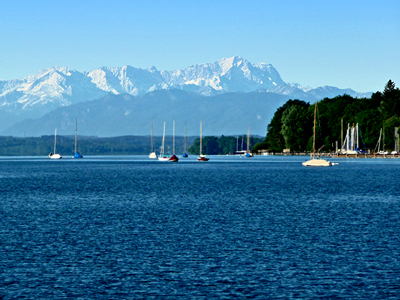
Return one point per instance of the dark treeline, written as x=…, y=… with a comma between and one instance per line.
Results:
x=123, y=145
x=292, y=124
x=223, y=145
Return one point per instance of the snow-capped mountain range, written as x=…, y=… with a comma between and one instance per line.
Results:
x=36, y=95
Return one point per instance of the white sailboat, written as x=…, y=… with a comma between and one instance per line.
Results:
x=55, y=155
x=248, y=154
x=314, y=162
x=201, y=157
x=351, y=144
x=396, y=142
x=152, y=154
x=162, y=156
x=381, y=152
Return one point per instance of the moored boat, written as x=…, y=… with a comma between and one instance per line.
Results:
x=248, y=153
x=153, y=153
x=173, y=158
x=162, y=156
x=55, y=155
x=77, y=154
x=316, y=162
x=185, y=155
x=201, y=157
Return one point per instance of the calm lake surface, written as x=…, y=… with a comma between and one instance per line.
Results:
x=132, y=228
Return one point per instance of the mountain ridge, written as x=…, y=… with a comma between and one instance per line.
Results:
x=36, y=95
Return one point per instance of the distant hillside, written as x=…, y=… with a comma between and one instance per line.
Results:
x=119, y=115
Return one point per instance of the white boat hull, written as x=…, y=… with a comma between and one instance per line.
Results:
x=55, y=156
x=153, y=155
x=317, y=163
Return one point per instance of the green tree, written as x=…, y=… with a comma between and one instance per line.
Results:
x=390, y=102
x=295, y=126
x=274, y=139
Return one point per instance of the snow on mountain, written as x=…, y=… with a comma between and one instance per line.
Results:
x=127, y=79
x=35, y=95
x=55, y=85
x=61, y=86
x=234, y=74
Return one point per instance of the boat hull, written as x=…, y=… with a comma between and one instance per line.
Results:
x=153, y=155
x=55, y=156
x=173, y=158
x=317, y=163
x=202, y=158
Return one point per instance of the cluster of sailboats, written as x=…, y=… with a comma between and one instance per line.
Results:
x=174, y=158
x=350, y=145
x=56, y=155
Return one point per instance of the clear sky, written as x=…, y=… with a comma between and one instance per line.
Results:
x=349, y=44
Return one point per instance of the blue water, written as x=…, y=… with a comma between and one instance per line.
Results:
x=263, y=227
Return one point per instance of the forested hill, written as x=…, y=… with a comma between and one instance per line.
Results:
x=292, y=124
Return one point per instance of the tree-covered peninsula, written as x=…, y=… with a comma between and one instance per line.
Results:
x=292, y=124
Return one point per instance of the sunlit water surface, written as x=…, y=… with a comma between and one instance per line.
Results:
x=265, y=227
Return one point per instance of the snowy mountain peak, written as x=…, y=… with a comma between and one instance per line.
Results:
x=228, y=63
x=61, y=86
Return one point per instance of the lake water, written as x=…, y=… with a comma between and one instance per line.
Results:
x=265, y=228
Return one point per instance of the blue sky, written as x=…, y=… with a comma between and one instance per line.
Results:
x=353, y=44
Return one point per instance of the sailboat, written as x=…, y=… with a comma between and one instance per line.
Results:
x=55, y=155
x=396, y=142
x=173, y=158
x=152, y=154
x=77, y=154
x=184, y=153
x=351, y=143
x=201, y=157
x=248, y=154
x=313, y=162
x=162, y=156
x=381, y=152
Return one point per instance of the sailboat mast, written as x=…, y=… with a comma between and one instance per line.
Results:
x=152, y=123
x=200, y=137
x=248, y=140
x=185, y=137
x=341, y=133
x=76, y=135
x=315, y=121
x=173, y=143
x=379, y=141
x=163, y=140
x=55, y=141
x=358, y=139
